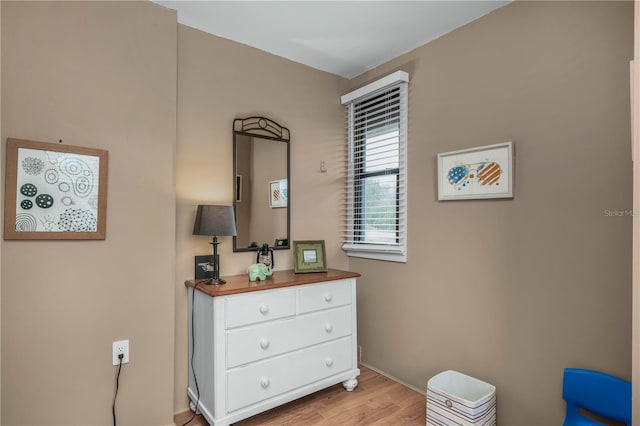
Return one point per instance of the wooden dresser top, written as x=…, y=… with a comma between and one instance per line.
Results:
x=241, y=284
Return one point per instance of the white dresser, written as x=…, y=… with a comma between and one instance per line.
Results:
x=260, y=345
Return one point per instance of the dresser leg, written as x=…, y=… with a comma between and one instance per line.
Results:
x=350, y=384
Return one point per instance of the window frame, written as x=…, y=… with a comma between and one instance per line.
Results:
x=381, y=251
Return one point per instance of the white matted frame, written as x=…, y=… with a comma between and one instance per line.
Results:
x=278, y=193
x=54, y=191
x=476, y=173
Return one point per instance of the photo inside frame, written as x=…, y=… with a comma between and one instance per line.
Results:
x=309, y=256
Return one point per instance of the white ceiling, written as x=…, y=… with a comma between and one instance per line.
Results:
x=345, y=38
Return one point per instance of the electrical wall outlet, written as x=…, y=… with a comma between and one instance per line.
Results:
x=120, y=347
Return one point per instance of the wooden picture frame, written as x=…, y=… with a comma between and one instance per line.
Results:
x=54, y=191
x=477, y=173
x=309, y=256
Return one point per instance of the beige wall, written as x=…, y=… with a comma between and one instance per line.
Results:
x=218, y=81
x=103, y=75
x=513, y=291
x=635, y=132
x=508, y=291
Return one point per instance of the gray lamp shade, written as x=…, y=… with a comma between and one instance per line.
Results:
x=214, y=221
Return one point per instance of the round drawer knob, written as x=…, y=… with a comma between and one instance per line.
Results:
x=264, y=309
x=264, y=382
x=328, y=362
x=448, y=403
x=328, y=327
x=328, y=297
x=264, y=343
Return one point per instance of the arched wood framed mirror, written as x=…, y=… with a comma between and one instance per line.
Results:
x=261, y=176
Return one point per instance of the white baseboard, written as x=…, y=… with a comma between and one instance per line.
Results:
x=395, y=379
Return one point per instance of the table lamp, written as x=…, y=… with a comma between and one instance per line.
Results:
x=215, y=221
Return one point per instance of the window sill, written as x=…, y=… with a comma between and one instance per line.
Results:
x=390, y=254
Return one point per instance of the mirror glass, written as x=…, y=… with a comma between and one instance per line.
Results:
x=261, y=180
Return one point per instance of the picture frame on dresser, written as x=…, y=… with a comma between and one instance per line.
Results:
x=54, y=191
x=309, y=256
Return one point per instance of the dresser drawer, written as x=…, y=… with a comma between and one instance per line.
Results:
x=266, y=340
x=315, y=297
x=256, y=307
x=262, y=380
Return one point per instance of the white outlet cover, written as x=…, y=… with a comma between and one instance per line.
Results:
x=120, y=347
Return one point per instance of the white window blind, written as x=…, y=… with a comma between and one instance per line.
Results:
x=376, y=194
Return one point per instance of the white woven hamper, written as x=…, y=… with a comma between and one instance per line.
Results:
x=457, y=399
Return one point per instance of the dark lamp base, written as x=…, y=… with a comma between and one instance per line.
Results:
x=215, y=281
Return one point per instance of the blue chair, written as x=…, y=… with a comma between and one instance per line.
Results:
x=599, y=393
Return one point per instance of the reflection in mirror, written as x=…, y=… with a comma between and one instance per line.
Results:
x=261, y=172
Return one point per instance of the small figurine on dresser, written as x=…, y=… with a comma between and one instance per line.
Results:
x=259, y=271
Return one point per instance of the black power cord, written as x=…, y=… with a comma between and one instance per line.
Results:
x=115, y=395
x=193, y=351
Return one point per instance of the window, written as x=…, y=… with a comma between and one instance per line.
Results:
x=375, y=220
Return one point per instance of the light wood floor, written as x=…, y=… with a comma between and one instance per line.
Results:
x=377, y=400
